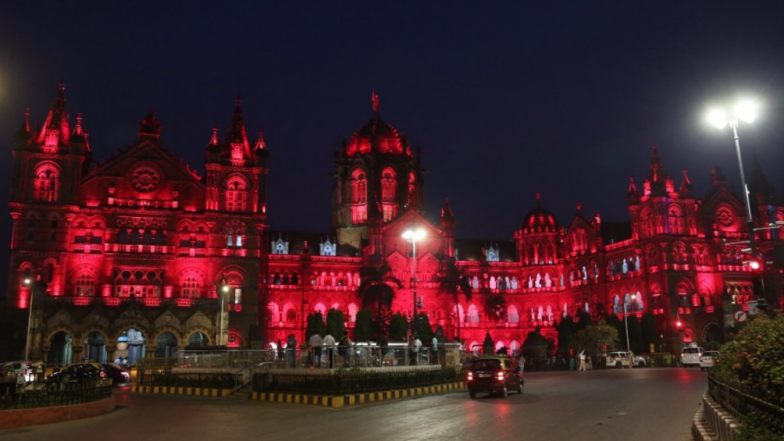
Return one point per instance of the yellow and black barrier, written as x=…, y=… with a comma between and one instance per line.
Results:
x=180, y=390
x=352, y=400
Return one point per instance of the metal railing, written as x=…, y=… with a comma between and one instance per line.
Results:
x=48, y=398
x=164, y=377
x=740, y=404
x=324, y=357
x=350, y=382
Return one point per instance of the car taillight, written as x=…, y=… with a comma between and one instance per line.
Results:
x=500, y=376
x=103, y=374
x=470, y=376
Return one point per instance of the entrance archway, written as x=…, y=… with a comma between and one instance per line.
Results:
x=165, y=345
x=130, y=346
x=95, y=347
x=712, y=333
x=61, y=349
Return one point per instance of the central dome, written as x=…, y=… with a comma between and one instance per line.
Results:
x=377, y=137
x=540, y=217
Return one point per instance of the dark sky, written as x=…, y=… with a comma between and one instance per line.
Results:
x=505, y=100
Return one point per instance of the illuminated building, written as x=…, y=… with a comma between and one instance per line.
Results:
x=135, y=253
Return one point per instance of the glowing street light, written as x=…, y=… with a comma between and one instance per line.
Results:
x=414, y=236
x=743, y=111
x=223, y=314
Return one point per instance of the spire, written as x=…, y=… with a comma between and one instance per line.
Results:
x=686, y=186
x=632, y=194
x=214, y=140
x=149, y=129
x=658, y=182
x=237, y=137
x=538, y=199
x=56, y=128
x=260, y=144
x=374, y=99
x=23, y=135
x=579, y=207
x=446, y=213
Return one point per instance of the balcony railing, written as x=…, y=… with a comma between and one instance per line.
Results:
x=152, y=302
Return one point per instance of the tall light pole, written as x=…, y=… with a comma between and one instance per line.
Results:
x=413, y=236
x=626, y=324
x=31, y=283
x=746, y=111
x=224, y=293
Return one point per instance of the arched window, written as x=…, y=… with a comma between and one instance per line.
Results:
x=646, y=223
x=675, y=219
x=291, y=315
x=388, y=185
x=191, y=287
x=46, y=183
x=236, y=193
x=511, y=314
x=84, y=285
x=359, y=187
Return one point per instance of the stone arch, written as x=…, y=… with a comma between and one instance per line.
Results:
x=196, y=329
x=94, y=351
x=164, y=329
x=712, y=332
x=56, y=330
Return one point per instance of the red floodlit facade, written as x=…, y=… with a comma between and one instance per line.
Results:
x=143, y=255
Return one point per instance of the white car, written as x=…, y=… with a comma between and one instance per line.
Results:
x=13, y=368
x=691, y=356
x=708, y=359
x=620, y=359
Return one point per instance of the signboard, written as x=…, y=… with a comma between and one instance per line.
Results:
x=753, y=308
x=741, y=316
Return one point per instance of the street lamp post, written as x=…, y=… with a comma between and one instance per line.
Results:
x=413, y=236
x=31, y=284
x=626, y=325
x=224, y=293
x=746, y=111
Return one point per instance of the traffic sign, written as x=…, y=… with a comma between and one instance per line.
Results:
x=741, y=316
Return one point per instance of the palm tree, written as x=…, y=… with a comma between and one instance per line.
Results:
x=495, y=306
x=377, y=289
x=453, y=281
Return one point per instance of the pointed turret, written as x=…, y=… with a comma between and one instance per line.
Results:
x=658, y=182
x=79, y=136
x=260, y=143
x=447, y=217
x=149, y=129
x=214, y=140
x=448, y=222
x=686, y=189
x=632, y=195
x=23, y=135
x=237, y=137
x=56, y=130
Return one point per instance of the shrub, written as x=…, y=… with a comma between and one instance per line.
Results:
x=754, y=362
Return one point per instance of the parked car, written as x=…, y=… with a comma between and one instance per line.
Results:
x=13, y=368
x=117, y=373
x=708, y=359
x=494, y=375
x=622, y=359
x=77, y=373
x=690, y=356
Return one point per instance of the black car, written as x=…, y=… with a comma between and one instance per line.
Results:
x=116, y=372
x=494, y=375
x=76, y=374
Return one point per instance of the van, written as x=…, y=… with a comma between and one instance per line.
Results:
x=691, y=356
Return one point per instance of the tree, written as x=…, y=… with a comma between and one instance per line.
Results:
x=423, y=329
x=495, y=306
x=440, y=334
x=377, y=290
x=583, y=320
x=336, y=323
x=596, y=338
x=453, y=281
x=566, y=329
x=315, y=325
x=398, y=327
x=488, y=345
x=363, y=328
x=535, y=344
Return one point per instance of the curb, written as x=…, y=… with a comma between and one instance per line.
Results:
x=179, y=390
x=339, y=401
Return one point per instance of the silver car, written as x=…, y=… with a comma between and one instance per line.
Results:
x=691, y=356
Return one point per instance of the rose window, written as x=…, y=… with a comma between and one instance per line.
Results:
x=725, y=216
x=145, y=179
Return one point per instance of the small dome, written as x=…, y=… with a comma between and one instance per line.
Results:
x=540, y=217
x=376, y=137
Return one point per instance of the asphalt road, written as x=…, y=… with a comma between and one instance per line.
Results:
x=639, y=405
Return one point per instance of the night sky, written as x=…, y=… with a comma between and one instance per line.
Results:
x=504, y=100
